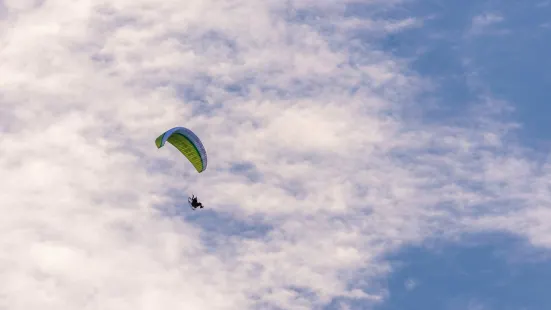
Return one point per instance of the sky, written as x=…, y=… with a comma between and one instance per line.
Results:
x=362, y=155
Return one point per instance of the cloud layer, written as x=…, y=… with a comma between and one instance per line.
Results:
x=316, y=166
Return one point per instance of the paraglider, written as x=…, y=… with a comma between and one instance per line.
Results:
x=194, y=203
x=185, y=141
x=188, y=144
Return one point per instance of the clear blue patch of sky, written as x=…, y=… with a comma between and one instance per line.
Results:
x=491, y=271
x=514, y=66
x=496, y=271
x=510, y=62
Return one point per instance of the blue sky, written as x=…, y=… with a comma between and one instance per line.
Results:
x=488, y=271
x=505, y=58
x=508, y=58
x=362, y=155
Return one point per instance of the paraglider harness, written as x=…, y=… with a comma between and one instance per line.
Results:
x=194, y=204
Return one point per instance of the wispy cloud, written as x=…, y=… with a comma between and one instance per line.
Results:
x=336, y=175
x=481, y=24
x=410, y=284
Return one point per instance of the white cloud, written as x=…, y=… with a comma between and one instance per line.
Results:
x=342, y=179
x=486, y=19
x=410, y=284
x=481, y=24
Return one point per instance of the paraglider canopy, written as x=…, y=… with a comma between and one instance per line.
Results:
x=188, y=144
